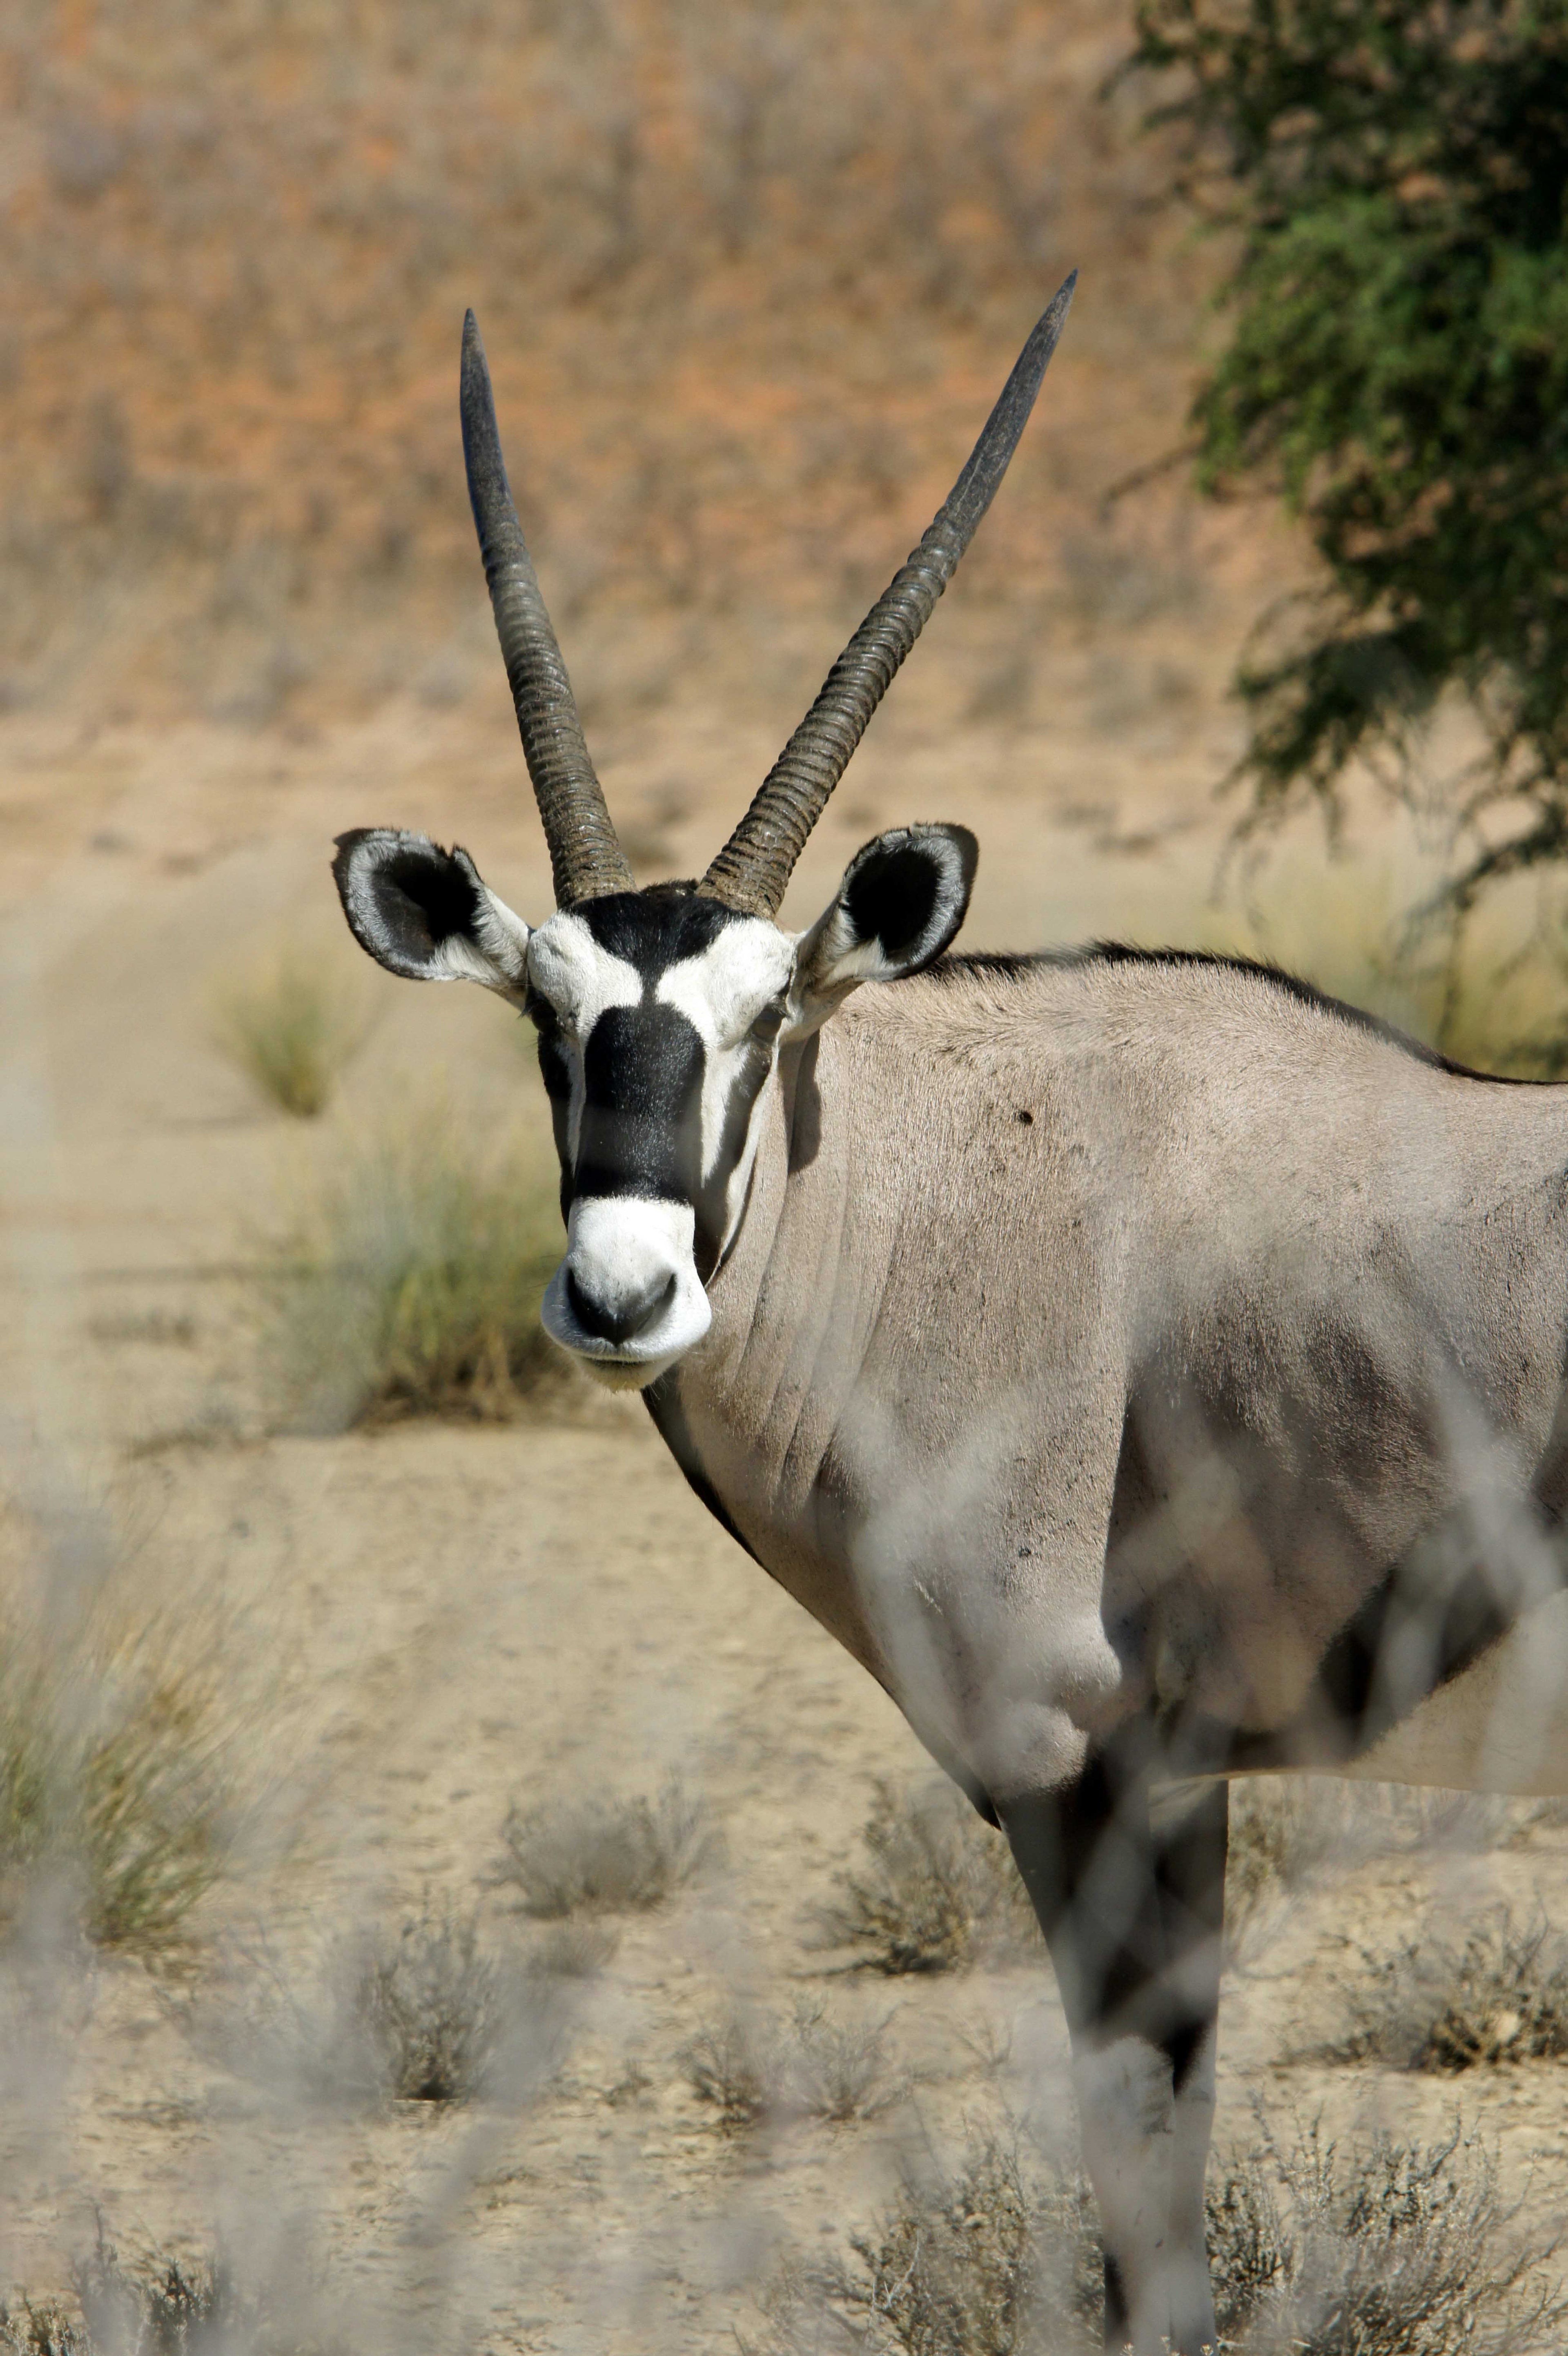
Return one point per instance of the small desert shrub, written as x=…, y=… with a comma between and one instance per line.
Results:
x=165, y=2307
x=733, y=2067
x=422, y=2014
x=113, y=1785
x=572, y=1951
x=992, y=2261
x=750, y=2069
x=411, y=1285
x=1409, y=2251
x=1501, y=1995
x=939, y=1888
x=610, y=1856
x=433, y=2009
x=1401, y=2250
x=291, y=1025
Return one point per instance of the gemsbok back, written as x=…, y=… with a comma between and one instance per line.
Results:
x=1151, y=1370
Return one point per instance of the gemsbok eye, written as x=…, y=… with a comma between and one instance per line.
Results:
x=765, y=1029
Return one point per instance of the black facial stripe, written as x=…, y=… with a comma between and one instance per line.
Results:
x=642, y=1111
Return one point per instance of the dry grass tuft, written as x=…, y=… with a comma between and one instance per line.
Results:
x=751, y=2069
x=611, y=1856
x=1410, y=2251
x=291, y=1025
x=1406, y=2248
x=990, y=2262
x=1500, y=1996
x=411, y=1285
x=939, y=1889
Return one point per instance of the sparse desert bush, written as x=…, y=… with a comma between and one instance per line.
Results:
x=609, y=1855
x=939, y=1888
x=734, y=2068
x=1500, y=1995
x=750, y=2068
x=426, y=2013
x=434, y=2009
x=113, y=1785
x=159, y=2307
x=572, y=1951
x=291, y=1024
x=410, y=1285
x=1401, y=2250
x=991, y=2260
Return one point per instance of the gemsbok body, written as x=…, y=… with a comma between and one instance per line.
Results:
x=1149, y=1369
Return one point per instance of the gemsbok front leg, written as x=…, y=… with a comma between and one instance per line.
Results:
x=1128, y=1881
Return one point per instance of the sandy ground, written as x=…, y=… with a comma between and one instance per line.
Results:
x=418, y=1628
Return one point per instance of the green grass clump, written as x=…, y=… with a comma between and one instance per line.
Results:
x=112, y=1790
x=290, y=1025
x=939, y=1888
x=410, y=1285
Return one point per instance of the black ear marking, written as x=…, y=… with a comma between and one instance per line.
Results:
x=406, y=898
x=908, y=892
x=893, y=898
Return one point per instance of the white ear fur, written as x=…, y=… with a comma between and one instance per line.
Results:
x=427, y=914
x=903, y=898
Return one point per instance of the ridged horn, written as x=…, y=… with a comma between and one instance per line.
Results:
x=753, y=868
x=585, y=858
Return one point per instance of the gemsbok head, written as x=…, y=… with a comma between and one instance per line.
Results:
x=661, y=1012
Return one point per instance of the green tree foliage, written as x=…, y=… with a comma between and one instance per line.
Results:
x=1398, y=369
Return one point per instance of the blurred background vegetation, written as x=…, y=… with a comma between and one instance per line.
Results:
x=748, y=273
x=1396, y=174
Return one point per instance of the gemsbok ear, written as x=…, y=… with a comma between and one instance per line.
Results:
x=902, y=899
x=424, y=912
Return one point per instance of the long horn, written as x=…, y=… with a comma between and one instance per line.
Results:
x=752, y=870
x=584, y=857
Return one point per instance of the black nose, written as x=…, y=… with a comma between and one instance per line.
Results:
x=628, y=1318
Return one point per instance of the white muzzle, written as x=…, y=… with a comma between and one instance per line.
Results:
x=627, y=1299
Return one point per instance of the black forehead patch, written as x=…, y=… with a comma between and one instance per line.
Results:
x=656, y=927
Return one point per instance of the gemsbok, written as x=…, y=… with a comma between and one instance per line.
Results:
x=1150, y=1369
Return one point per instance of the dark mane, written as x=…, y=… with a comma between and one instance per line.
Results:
x=1010, y=965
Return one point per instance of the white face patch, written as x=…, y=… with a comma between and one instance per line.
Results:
x=722, y=994
x=566, y=966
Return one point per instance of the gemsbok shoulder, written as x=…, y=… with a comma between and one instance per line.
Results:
x=1150, y=1369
